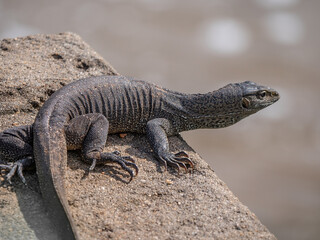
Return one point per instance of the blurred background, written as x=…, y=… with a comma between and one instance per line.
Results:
x=270, y=160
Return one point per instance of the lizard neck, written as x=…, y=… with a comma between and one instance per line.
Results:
x=217, y=109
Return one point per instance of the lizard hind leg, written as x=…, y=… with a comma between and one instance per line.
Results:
x=16, y=149
x=92, y=130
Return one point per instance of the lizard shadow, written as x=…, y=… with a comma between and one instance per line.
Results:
x=139, y=148
x=135, y=145
x=32, y=209
x=31, y=205
x=112, y=170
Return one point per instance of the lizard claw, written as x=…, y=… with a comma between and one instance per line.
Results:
x=181, y=154
x=116, y=152
x=16, y=168
x=93, y=164
x=125, y=162
x=178, y=160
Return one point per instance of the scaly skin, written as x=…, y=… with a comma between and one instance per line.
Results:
x=81, y=114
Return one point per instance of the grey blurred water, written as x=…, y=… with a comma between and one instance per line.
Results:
x=270, y=160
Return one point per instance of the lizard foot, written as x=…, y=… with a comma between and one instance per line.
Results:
x=180, y=159
x=17, y=167
x=115, y=157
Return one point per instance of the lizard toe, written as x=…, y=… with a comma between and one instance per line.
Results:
x=178, y=160
x=186, y=161
x=130, y=162
x=93, y=164
x=17, y=168
x=125, y=163
x=171, y=162
x=181, y=154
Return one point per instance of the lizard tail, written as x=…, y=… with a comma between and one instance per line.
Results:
x=50, y=153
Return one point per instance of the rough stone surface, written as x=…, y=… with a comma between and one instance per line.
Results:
x=155, y=205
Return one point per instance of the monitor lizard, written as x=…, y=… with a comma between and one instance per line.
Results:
x=83, y=113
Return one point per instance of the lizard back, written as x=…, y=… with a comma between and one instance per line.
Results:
x=127, y=104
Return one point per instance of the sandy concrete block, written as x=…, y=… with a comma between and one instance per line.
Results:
x=155, y=205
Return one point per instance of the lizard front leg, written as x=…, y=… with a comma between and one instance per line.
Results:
x=157, y=131
x=91, y=132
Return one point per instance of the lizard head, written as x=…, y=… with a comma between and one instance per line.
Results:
x=227, y=105
x=236, y=101
x=256, y=97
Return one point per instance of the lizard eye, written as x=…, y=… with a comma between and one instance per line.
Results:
x=262, y=94
x=245, y=103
